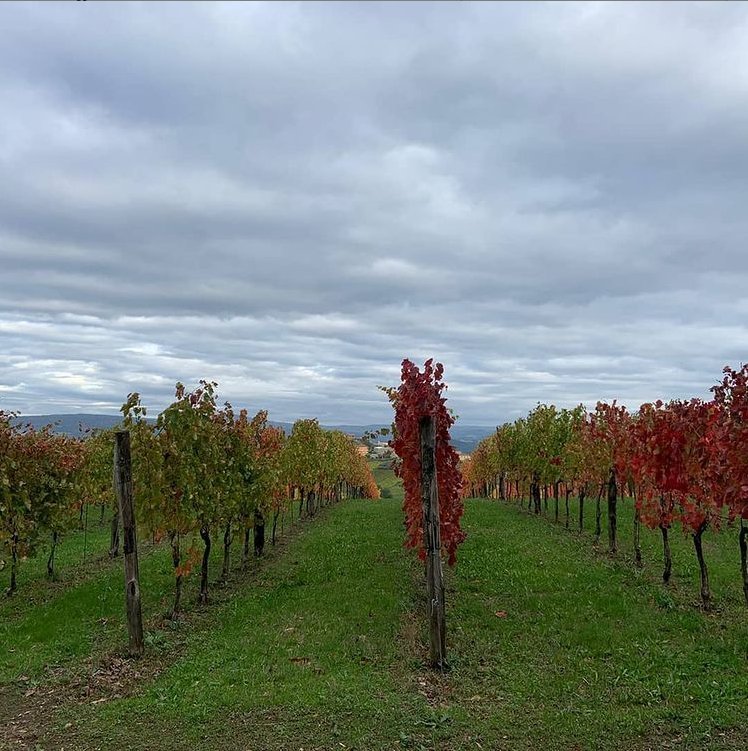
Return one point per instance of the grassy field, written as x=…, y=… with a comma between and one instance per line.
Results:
x=553, y=645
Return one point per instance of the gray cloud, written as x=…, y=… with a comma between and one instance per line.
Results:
x=291, y=198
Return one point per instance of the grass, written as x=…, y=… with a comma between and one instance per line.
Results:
x=720, y=550
x=65, y=623
x=78, y=553
x=553, y=645
x=389, y=485
x=312, y=645
x=590, y=653
x=52, y=624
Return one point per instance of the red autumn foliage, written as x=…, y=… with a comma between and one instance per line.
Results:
x=676, y=463
x=731, y=396
x=420, y=395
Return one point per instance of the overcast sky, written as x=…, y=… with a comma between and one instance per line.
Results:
x=290, y=198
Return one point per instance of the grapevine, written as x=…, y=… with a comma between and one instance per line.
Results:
x=420, y=395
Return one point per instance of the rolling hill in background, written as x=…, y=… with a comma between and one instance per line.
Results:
x=464, y=437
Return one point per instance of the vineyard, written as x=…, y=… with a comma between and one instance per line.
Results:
x=683, y=463
x=283, y=609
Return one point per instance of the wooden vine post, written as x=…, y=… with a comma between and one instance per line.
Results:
x=432, y=485
x=432, y=545
x=123, y=488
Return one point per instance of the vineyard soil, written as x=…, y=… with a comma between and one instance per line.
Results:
x=553, y=645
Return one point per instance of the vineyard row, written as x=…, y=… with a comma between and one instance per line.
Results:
x=198, y=469
x=682, y=462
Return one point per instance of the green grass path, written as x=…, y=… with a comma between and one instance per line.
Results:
x=47, y=624
x=309, y=653
x=586, y=657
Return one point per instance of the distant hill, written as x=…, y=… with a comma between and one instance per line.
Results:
x=75, y=425
x=464, y=437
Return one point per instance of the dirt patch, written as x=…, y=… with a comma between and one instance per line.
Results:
x=11, y=701
x=28, y=710
x=731, y=739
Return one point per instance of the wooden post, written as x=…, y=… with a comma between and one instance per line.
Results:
x=124, y=492
x=432, y=545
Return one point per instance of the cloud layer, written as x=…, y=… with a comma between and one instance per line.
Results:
x=290, y=198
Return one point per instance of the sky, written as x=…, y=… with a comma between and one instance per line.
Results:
x=550, y=199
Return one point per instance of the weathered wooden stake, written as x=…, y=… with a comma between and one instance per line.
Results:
x=124, y=491
x=432, y=545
